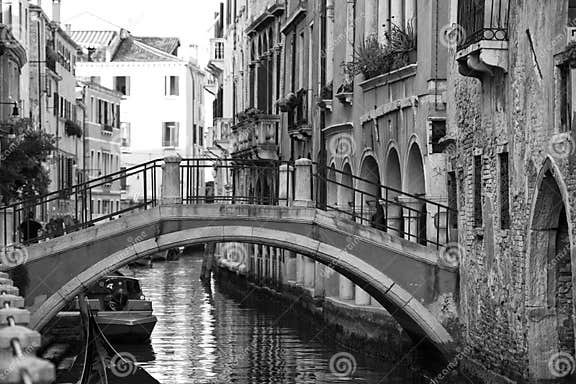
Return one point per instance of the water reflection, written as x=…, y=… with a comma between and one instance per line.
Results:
x=204, y=335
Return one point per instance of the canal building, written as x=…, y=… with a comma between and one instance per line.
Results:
x=102, y=142
x=511, y=82
x=162, y=91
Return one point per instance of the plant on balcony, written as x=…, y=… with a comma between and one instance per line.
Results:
x=327, y=91
x=21, y=172
x=72, y=129
x=373, y=58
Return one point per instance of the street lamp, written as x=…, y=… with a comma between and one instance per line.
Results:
x=15, y=111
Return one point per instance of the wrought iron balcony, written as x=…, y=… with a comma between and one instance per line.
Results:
x=482, y=36
x=256, y=137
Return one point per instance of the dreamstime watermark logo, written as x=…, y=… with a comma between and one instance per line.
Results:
x=15, y=144
x=452, y=365
x=451, y=254
x=452, y=35
x=561, y=364
x=13, y=255
x=122, y=365
x=234, y=252
x=343, y=364
x=562, y=145
x=342, y=145
x=10, y=370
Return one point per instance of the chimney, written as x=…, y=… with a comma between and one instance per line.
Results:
x=124, y=34
x=68, y=28
x=56, y=11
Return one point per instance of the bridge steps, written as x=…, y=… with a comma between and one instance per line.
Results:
x=18, y=343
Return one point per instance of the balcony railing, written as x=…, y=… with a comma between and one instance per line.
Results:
x=257, y=134
x=483, y=20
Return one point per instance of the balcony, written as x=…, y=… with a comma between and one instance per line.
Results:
x=483, y=37
x=216, y=61
x=256, y=137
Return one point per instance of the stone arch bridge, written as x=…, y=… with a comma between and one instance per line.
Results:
x=409, y=279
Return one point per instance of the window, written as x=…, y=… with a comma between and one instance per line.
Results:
x=171, y=86
x=122, y=85
x=170, y=134
x=565, y=98
x=477, y=191
x=504, y=191
x=125, y=134
x=452, y=200
x=201, y=136
x=99, y=165
x=99, y=209
x=92, y=165
x=117, y=117
x=301, y=62
x=194, y=134
x=123, y=183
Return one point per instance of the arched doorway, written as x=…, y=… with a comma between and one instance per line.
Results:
x=346, y=190
x=369, y=199
x=393, y=179
x=550, y=305
x=415, y=211
x=332, y=189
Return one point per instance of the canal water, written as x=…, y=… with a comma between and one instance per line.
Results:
x=207, y=335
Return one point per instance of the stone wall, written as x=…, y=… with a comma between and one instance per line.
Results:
x=516, y=281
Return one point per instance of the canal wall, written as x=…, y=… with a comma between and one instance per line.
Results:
x=367, y=330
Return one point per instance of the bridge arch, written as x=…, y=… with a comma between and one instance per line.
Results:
x=408, y=311
x=346, y=189
x=369, y=171
x=415, y=184
x=393, y=179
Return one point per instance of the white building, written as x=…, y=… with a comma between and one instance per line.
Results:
x=162, y=103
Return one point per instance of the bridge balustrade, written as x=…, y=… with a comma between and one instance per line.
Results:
x=259, y=182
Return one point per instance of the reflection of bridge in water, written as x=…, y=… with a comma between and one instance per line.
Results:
x=385, y=241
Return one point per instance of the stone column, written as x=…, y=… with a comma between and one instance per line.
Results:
x=397, y=13
x=319, y=278
x=309, y=267
x=331, y=282
x=285, y=184
x=291, y=266
x=370, y=18
x=299, y=269
x=329, y=41
x=383, y=20
x=265, y=264
x=346, y=289
x=361, y=297
x=410, y=13
x=256, y=259
x=411, y=214
x=350, y=22
x=303, y=183
x=171, y=193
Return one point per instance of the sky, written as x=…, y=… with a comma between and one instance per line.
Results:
x=190, y=20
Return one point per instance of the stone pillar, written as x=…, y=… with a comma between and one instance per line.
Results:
x=171, y=193
x=410, y=13
x=350, y=4
x=285, y=184
x=361, y=297
x=291, y=266
x=303, y=183
x=383, y=21
x=256, y=259
x=319, y=279
x=397, y=13
x=309, y=272
x=411, y=213
x=265, y=263
x=370, y=18
x=299, y=269
x=329, y=41
x=331, y=282
x=346, y=291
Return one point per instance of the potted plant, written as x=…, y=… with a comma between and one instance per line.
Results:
x=72, y=129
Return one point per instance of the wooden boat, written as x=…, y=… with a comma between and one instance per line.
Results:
x=120, y=309
x=100, y=363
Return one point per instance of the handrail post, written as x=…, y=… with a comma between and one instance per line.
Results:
x=303, y=180
x=285, y=181
x=171, y=179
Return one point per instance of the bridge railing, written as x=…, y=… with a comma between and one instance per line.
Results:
x=241, y=181
x=407, y=215
x=74, y=208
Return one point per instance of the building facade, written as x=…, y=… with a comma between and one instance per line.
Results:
x=162, y=95
x=102, y=142
x=52, y=86
x=511, y=111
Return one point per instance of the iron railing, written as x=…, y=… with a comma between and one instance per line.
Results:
x=251, y=181
x=388, y=209
x=80, y=202
x=483, y=20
